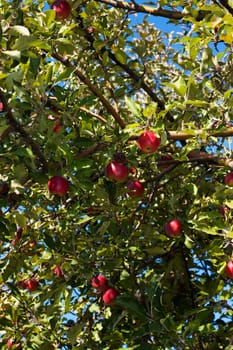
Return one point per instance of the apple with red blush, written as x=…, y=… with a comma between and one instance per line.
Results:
x=148, y=142
x=62, y=9
x=229, y=269
x=228, y=179
x=117, y=171
x=135, y=189
x=9, y=343
x=58, y=185
x=1, y=107
x=59, y=272
x=173, y=228
x=32, y=284
x=110, y=295
x=99, y=282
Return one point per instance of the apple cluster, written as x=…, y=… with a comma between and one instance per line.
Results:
x=109, y=294
x=119, y=172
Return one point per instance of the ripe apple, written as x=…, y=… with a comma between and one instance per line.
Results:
x=57, y=126
x=117, y=171
x=228, y=179
x=58, y=271
x=58, y=185
x=165, y=158
x=148, y=142
x=1, y=107
x=4, y=188
x=9, y=343
x=100, y=282
x=229, y=269
x=109, y=296
x=17, y=236
x=136, y=189
x=32, y=284
x=62, y=8
x=173, y=228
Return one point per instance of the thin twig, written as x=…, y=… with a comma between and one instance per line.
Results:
x=93, y=88
x=18, y=127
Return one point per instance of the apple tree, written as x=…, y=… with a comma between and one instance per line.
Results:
x=116, y=178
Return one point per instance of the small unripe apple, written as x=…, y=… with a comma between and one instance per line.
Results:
x=99, y=282
x=228, y=179
x=32, y=284
x=109, y=296
x=229, y=269
x=173, y=228
x=58, y=185
x=58, y=271
x=166, y=159
x=62, y=8
x=117, y=171
x=148, y=142
x=135, y=189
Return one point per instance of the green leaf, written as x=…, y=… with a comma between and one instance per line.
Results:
x=134, y=107
x=135, y=308
x=179, y=86
x=26, y=42
x=19, y=30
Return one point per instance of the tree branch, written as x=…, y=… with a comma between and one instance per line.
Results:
x=93, y=88
x=18, y=127
x=144, y=9
x=92, y=114
x=158, y=12
x=138, y=79
x=225, y=4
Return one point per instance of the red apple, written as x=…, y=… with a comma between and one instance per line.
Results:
x=32, y=284
x=1, y=107
x=9, y=343
x=57, y=122
x=58, y=185
x=99, y=282
x=148, y=142
x=62, y=8
x=229, y=269
x=165, y=158
x=136, y=189
x=228, y=179
x=173, y=228
x=57, y=126
x=17, y=236
x=109, y=296
x=58, y=271
x=117, y=171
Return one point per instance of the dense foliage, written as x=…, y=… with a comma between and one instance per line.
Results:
x=76, y=93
